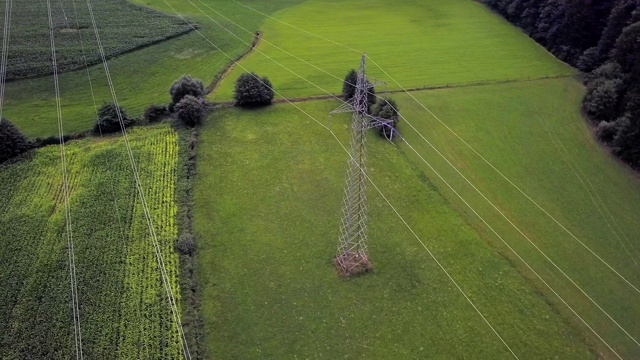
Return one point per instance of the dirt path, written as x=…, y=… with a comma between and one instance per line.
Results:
x=222, y=75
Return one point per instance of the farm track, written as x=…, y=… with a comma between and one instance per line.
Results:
x=224, y=73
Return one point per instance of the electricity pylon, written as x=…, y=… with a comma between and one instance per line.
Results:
x=352, y=258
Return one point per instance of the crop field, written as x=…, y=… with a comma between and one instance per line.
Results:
x=141, y=78
x=268, y=230
x=123, y=27
x=123, y=306
x=421, y=43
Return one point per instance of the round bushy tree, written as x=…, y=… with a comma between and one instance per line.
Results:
x=626, y=140
x=185, y=85
x=108, y=121
x=253, y=91
x=386, y=109
x=606, y=131
x=190, y=111
x=601, y=100
x=12, y=142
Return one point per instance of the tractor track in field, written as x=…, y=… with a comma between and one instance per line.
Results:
x=224, y=73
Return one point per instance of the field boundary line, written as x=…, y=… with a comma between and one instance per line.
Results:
x=114, y=54
x=226, y=71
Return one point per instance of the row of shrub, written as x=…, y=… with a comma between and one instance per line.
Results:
x=187, y=107
x=602, y=39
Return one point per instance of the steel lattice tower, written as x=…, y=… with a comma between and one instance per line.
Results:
x=352, y=258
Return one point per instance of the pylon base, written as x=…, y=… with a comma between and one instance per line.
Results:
x=352, y=264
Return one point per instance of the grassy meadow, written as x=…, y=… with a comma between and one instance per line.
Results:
x=421, y=43
x=268, y=195
x=124, y=311
x=531, y=130
x=268, y=230
x=533, y=133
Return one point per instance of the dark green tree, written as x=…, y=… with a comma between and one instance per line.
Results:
x=251, y=90
x=626, y=140
x=627, y=49
x=185, y=85
x=12, y=142
x=108, y=120
x=349, y=84
x=349, y=87
x=387, y=109
x=190, y=111
x=601, y=100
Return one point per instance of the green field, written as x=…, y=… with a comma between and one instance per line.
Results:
x=123, y=27
x=141, y=78
x=268, y=230
x=519, y=128
x=268, y=191
x=123, y=307
x=421, y=43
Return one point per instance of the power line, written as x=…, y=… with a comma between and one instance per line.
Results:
x=95, y=107
x=519, y=257
x=465, y=178
x=65, y=189
x=451, y=130
x=368, y=178
x=5, y=51
x=138, y=183
x=582, y=178
x=300, y=29
x=506, y=178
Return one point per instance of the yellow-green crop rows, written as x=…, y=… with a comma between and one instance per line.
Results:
x=124, y=311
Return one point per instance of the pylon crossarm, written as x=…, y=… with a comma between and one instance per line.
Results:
x=376, y=83
x=345, y=107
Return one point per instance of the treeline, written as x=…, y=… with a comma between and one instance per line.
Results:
x=602, y=39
